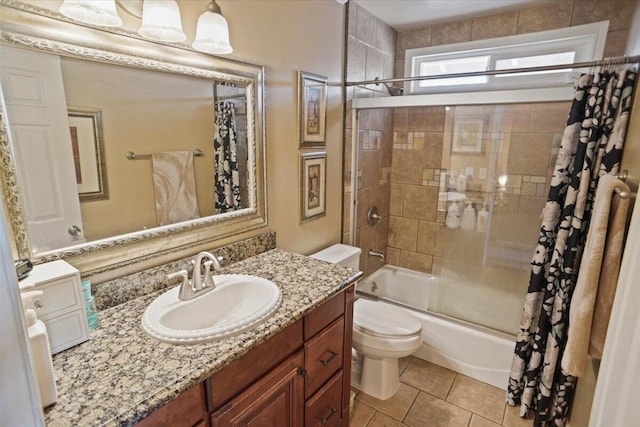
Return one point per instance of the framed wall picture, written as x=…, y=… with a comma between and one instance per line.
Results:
x=312, y=108
x=467, y=135
x=87, y=143
x=313, y=185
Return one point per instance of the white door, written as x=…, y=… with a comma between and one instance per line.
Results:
x=37, y=112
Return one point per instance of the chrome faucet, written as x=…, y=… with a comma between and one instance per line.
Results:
x=199, y=283
x=376, y=254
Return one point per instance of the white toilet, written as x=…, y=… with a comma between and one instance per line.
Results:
x=382, y=333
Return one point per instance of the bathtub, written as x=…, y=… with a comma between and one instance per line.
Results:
x=472, y=350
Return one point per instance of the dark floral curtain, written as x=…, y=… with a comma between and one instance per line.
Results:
x=591, y=147
x=227, y=180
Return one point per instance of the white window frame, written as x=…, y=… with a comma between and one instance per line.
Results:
x=587, y=41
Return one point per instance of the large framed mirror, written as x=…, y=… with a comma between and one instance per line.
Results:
x=115, y=149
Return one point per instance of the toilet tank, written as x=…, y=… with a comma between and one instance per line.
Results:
x=348, y=256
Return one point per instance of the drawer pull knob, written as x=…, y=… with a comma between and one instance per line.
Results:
x=38, y=304
x=325, y=420
x=327, y=361
x=301, y=371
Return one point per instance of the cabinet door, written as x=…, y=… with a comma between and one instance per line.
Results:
x=275, y=400
x=186, y=410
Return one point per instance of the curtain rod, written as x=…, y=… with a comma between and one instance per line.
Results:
x=619, y=60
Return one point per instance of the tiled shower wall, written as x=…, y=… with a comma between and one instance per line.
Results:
x=562, y=14
x=371, y=53
x=519, y=141
x=420, y=141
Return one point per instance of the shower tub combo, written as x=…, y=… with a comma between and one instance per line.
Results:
x=472, y=350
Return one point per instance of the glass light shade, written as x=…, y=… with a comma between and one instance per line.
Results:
x=212, y=34
x=95, y=12
x=161, y=21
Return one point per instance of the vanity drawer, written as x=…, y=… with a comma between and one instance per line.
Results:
x=326, y=313
x=59, y=296
x=67, y=330
x=323, y=409
x=323, y=356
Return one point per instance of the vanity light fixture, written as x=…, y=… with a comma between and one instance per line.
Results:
x=212, y=32
x=101, y=13
x=161, y=21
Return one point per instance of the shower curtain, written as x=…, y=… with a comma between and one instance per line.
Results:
x=226, y=177
x=591, y=147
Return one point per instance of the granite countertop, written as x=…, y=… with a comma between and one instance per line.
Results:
x=121, y=374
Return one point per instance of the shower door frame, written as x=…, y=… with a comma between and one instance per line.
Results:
x=515, y=96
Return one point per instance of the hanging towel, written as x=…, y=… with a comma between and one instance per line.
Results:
x=597, y=278
x=175, y=187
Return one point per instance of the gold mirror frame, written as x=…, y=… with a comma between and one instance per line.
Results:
x=30, y=27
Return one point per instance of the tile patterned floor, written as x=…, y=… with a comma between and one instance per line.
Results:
x=433, y=396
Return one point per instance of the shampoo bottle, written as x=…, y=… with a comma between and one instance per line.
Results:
x=453, y=216
x=483, y=217
x=40, y=351
x=468, y=217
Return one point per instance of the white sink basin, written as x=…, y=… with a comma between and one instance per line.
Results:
x=238, y=303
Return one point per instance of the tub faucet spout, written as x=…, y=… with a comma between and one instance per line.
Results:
x=376, y=254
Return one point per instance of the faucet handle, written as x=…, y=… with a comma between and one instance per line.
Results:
x=208, y=277
x=180, y=273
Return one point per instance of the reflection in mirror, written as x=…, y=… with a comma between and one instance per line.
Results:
x=161, y=117
x=117, y=150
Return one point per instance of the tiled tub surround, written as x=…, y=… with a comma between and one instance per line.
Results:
x=121, y=375
x=123, y=289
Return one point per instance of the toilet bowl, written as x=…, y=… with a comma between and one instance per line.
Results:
x=382, y=333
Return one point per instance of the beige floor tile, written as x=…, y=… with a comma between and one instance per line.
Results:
x=478, y=397
x=403, y=363
x=397, y=406
x=433, y=412
x=428, y=377
x=361, y=414
x=512, y=418
x=478, y=421
x=382, y=420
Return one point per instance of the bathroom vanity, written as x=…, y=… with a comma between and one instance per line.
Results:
x=293, y=369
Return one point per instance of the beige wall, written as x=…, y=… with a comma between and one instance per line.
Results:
x=285, y=36
x=288, y=36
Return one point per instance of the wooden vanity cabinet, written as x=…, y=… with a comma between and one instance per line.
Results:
x=300, y=376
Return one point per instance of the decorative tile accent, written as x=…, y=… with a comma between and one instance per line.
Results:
x=123, y=289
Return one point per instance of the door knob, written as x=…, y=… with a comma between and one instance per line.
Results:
x=74, y=230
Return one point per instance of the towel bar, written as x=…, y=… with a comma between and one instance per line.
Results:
x=133, y=156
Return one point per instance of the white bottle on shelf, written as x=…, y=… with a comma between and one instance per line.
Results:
x=468, y=217
x=40, y=350
x=453, y=216
x=483, y=217
x=461, y=183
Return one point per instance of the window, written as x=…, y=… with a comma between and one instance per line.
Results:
x=567, y=45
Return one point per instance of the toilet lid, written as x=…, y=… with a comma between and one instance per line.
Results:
x=382, y=319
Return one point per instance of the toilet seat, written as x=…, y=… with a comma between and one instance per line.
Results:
x=384, y=320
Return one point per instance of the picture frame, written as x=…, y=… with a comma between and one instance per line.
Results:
x=313, y=180
x=468, y=134
x=87, y=142
x=312, y=109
